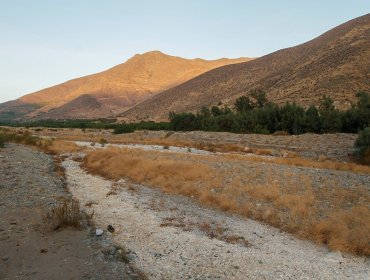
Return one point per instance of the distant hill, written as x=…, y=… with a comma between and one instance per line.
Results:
x=336, y=64
x=112, y=91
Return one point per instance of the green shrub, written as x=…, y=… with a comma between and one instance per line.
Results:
x=362, y=146
x=2, y=140
x=102, y=142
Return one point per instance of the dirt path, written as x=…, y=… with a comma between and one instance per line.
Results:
x=171, y=237
x=29, y=186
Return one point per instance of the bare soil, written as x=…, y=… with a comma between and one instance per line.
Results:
x=29, y=187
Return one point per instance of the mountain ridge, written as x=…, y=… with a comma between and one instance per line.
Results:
x=117, y=88
x=335, y=63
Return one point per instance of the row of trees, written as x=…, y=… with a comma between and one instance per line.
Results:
x=254, y=114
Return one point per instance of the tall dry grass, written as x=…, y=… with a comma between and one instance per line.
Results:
x=68, y=213
x=171, y=175
x=60, y=147
x=319, y=214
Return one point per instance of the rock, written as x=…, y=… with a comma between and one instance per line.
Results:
x=334, y=257
x=110, y=228
x=285, y=155
x=121, y=181
x=99, y=232
x=247, y=150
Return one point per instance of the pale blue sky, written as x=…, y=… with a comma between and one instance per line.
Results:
x=45, y=42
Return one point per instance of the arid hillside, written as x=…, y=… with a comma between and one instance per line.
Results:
x=336, y=63
x=114, y=90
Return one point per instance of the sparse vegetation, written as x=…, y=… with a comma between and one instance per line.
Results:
x=103, y=142
x=298, y=208
x=68, y=213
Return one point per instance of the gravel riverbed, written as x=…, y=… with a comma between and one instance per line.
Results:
x=168, y=237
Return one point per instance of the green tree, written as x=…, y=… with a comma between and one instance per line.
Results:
x=362, y=146
x=363, y=109
x=330, y=117
x=292, y=118
x=260, y=98
x=312, y=121
x=243, y=104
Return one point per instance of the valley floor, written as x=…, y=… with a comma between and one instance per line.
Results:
x=187, y=212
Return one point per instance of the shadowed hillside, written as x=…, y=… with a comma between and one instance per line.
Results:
x=336, y=63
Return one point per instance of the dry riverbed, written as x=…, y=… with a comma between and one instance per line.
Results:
x=172, y=237
x=163, y=235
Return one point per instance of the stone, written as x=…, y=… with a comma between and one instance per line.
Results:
x=99, y=232
x=110, y=228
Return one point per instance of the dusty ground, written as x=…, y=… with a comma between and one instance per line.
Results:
x=29, y=186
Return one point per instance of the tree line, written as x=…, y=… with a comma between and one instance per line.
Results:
x=255, y=114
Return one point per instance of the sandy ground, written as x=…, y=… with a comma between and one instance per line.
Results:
x=167, y=238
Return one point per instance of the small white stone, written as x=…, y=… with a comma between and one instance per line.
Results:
x=99, y=232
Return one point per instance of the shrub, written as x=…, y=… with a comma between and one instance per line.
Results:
x=2, y=140
x=68, y=213
x=362, y=146
x=102, y=142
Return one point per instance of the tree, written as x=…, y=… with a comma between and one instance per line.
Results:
x=363, y=109
x=260, y=97
x=292, y=117
x=312, y=121
x=216, y=111
x=362, y=146
x=243, y=104
x=183, y=121
x=330, y=117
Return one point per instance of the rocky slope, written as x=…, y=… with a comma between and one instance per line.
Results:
x=336, y=63
x=111, y=91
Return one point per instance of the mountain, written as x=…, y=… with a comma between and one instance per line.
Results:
x=336, y=64
x=112, y=91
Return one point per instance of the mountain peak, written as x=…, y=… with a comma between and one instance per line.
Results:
x=149, y=55
x=118, y=88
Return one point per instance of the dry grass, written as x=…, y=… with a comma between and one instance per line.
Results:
x=211, y=229
x=293, y=160
x=325, y=215
x=346, y=230
x=283, y=156
x=60, y=147
x=68, y=213
x=172, y=176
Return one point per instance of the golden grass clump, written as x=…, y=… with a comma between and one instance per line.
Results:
x=346, y=230
x=68, y=213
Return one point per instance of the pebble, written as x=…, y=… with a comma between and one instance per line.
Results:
x=99, y=232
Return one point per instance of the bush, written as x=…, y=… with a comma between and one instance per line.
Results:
x=102, y=142
x=68, y=213
x=362, y=146
x=2, y=140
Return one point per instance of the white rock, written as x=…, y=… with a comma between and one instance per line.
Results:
x=121, y=181
x=99, y=232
